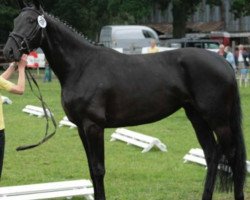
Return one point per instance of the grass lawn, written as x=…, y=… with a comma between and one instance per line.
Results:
x=130, y=175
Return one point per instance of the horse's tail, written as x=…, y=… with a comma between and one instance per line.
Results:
x=236, y=160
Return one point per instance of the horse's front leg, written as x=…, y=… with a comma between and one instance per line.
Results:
x=92, y=137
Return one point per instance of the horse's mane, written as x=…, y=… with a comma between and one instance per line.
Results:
x=65, y=23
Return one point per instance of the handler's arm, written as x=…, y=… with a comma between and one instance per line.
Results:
x=20, y=86
x=9, y=71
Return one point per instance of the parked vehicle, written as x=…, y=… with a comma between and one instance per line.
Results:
x=145, y=49
x=211, y=45
x=127, y=38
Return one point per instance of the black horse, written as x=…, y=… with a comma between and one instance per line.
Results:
x=102, y=88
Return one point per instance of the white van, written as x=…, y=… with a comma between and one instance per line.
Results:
x=129, y=38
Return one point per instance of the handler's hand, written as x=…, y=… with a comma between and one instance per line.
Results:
x=23, y=62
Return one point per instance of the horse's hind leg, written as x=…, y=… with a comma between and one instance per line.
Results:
x=207, y=141
x=92, y=137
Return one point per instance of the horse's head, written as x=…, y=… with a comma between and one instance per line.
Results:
x=27, y=34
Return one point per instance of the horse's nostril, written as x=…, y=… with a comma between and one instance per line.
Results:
x=8, y=53
x=11, y=52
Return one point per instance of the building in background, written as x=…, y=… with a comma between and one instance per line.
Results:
x=213, y=22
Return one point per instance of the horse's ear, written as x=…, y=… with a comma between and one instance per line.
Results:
x=21, y=4
x=37, y=4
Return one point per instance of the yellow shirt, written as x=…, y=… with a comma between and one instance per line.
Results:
x=153, y=50
x=4, y=85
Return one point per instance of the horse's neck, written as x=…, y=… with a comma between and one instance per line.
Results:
x=64, y=49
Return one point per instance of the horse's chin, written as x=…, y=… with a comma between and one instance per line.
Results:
x=17, y=57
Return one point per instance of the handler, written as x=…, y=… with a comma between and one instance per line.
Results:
x=13, y=88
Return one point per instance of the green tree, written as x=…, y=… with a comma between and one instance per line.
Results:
x=129, y=11
x=241, y=8
x=87, y=16
x=77, y=15
x=8, y=11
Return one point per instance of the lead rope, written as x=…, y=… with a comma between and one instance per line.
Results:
x=47, y=136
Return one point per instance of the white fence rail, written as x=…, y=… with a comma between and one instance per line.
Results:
x=48, y=190
x=144, y=141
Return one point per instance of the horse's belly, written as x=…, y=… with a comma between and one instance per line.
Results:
x=141, y=111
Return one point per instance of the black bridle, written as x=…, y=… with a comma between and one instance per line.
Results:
x=25, y=47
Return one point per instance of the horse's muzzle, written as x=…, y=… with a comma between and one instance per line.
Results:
x=11, y=52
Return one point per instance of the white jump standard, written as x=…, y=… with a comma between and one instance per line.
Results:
x=35, y=110
x=196, y=155
x=6, y=100
x=48, y=190
x=65, y=122
x=144, y=141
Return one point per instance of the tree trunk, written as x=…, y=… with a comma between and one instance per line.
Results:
x=179, y=20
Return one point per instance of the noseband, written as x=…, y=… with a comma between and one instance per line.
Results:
x=25, y=46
